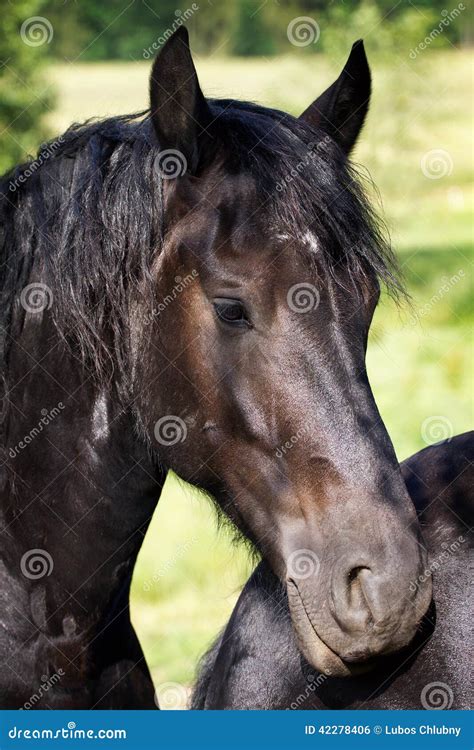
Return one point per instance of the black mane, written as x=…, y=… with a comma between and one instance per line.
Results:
x=85, y=216
x=85, y=223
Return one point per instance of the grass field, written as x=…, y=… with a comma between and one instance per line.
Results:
x=187, y=578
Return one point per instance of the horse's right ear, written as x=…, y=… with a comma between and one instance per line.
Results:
x=179, y=111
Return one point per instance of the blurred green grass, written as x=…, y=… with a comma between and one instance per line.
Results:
x=188, y=577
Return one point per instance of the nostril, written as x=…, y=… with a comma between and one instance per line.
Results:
x=353, y=575
x=356, y=595
x=372, y=598
x=351, y=607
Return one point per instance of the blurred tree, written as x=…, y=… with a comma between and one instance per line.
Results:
x=251, y=35
x=392, y=34
x=124, y=29
x=24, y=95
x=92, y=30
x=212, y=27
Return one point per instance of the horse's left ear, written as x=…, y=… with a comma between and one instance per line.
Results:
x=179, y=110
x=340, y=111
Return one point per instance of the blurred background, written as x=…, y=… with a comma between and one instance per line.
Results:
x=64, y=61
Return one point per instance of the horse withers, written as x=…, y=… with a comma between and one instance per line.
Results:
x=256, y=664
x=192, y=289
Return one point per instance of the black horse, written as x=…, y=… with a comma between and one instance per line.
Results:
x=255, y=664
x=192, y=289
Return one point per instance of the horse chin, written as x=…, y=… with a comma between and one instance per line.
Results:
x=313, y=648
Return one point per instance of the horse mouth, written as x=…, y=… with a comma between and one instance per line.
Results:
x=314, y=648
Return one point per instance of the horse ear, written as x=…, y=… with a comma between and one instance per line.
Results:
x=340, y=111
x=179, y=110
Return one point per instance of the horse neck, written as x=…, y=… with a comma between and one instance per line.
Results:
x=77, y=485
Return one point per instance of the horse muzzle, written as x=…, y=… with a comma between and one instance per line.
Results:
x=346, y=617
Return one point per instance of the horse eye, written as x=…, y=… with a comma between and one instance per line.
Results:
x=232, y=312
